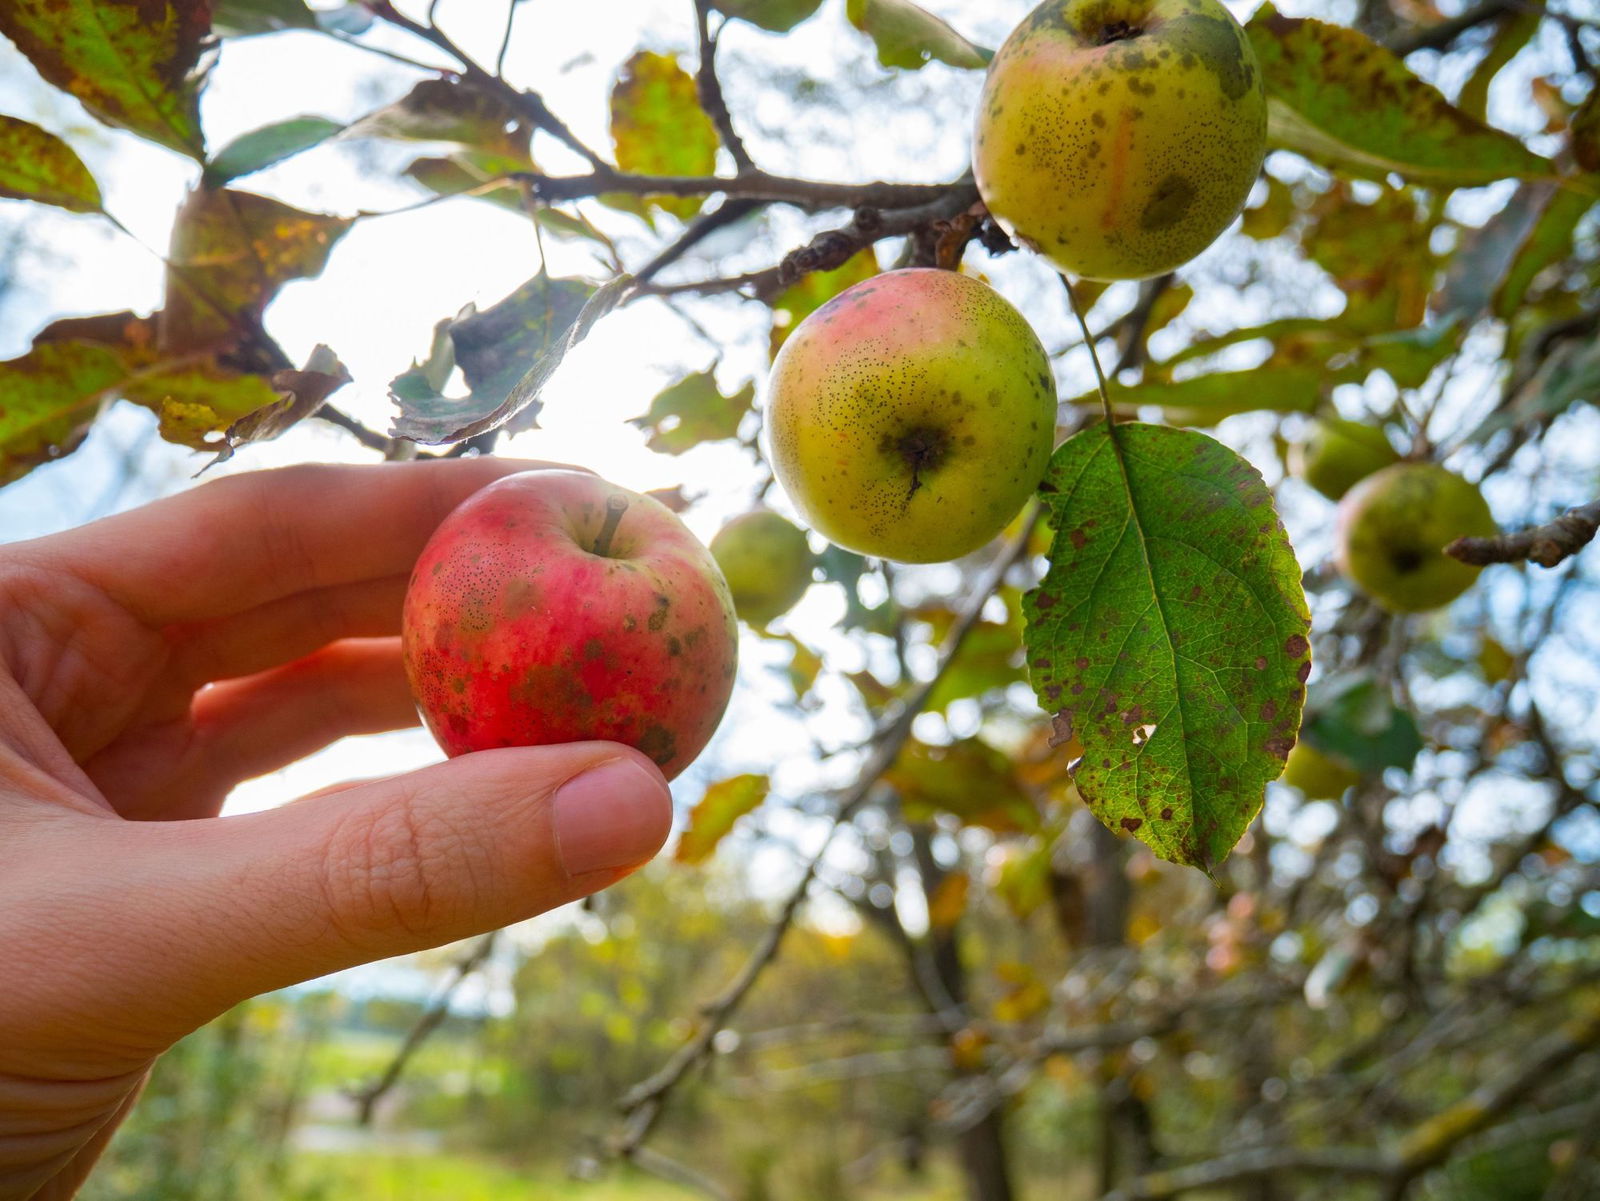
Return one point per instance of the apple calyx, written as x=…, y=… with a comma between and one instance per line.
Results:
x=923, y=449
x=1118, y=31
x=616, y=506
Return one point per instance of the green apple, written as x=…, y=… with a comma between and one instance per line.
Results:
x=1318, y=775
x=911, y=416
x=1118, y=138
x=767, y=563
x=1392, y=530
x=1336, y=455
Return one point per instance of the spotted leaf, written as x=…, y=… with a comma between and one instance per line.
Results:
x=1170, y=635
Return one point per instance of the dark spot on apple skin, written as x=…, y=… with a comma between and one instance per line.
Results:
x=1296, y=646
x=674, y=647
x=659, y=743
x=593, y=649
x=1170, y=204
x=659, y=618
x=1131, y=824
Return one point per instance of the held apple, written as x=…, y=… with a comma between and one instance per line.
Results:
x=911, y=416
x=1118, y=138
x=767, y=563
x=554, y=607
x=1392, y=530
x=1318, y=775
x=1336, y=455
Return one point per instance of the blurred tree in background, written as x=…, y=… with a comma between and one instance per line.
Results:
x=896, y=953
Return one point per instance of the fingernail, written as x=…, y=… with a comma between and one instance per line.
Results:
x=614, y=815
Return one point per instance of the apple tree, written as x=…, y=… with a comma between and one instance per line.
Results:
x=1042, y=758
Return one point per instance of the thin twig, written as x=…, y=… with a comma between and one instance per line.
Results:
x=642, y=1104
x=370, y=438
x=710, y=89
x=810, y=194
x=368, y=1096
x=1547, y=545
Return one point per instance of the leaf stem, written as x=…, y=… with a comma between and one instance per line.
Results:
x=616, y=505
x=1094, y=355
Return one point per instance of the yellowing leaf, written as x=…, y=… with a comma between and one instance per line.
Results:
x=35, y=165
x=1342, y=100
x=724, y=803
x=692, y=411
x=231, y=252
x=968, y=779
x=908, y=35
x=658, y=126
x=51, y=395
x=133, y=65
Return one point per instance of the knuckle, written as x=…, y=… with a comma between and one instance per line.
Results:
x=402, y=870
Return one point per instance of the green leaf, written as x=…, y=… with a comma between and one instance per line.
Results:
x=35, y=165
x=1514, y=29
x=1344, y=101
x=261, y=148
x=135, y=66
x=1355, y=719
x=1547, y=243
x=1024, y=879
x=1207, y=399
x=968, y=779
x=231, y=252
x=659, y=128
x=507, y=354
x=724, y=803
x=242, y=18
x=910, y=36
x=810, y=292
x=52, y=394
x=1273, y=215
x=1487, y=254
x=693, y=411
x=1169, y=636
x=779, y=16
x=448, y=110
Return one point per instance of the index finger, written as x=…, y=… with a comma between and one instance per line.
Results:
x=247, y=539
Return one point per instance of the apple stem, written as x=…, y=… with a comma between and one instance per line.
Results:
x=616, y=505
x=1088, y=340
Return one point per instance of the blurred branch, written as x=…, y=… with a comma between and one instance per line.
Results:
x=1442, y=33
x=642, y=1104
x=702, y=227
x=1131, y=329
x=369, y=438
x=368, y=1096
x=710, y=88
x=1547, y=545
x=1426, y=1146
x=657, y=1164
x=811, y=194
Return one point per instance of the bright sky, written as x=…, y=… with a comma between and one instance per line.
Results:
x=391, y=279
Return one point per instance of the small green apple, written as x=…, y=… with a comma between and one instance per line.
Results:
x=1318, y=775
x=1392, y=530
x=911, y=416
x=1336, y=455
x=767, y=563
x=1118, y=138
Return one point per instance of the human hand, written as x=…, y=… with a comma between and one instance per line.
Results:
x=150, y=662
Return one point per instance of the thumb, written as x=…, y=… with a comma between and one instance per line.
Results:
x=417, y=860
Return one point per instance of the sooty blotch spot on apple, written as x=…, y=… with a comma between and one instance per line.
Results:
x=1406, y=559
x=659, y=743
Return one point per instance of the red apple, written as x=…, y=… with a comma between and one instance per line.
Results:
x=553, y=606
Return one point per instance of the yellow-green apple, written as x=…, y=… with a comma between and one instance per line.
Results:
x=1118, y=138
x=912, y=415
x=767, y=562
x=1392, y=530
x=1318, y=775
x=553, y=606
x=1336, y=455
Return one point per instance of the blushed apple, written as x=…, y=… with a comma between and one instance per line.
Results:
x=767, y=562
x=911, y=416
x=1118, y=138
x=553, y=606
